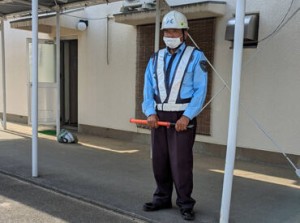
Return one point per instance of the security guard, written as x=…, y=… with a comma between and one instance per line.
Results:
x=174, y=91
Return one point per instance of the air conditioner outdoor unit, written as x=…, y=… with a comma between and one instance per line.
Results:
x=138, y=5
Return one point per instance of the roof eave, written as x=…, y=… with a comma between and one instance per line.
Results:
x=26, y=10
x=192, y=11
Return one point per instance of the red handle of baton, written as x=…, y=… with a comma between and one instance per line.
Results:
x=144, y=122
x=160, y=123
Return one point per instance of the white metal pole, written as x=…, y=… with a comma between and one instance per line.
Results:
x=58, y=72
x=157, y=33
x=34, y=89
x=3, y=75
x=157, y=26
x=234, y=110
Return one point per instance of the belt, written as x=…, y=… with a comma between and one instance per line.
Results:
x=171, y=107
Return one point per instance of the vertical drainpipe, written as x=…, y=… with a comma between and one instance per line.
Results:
x=157, y=26
x=107, y=40
x=234, y=110
x=34, y=89
x=3, y=75
x=58, y=71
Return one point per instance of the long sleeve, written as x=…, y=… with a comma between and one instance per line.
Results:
x=199, y=78
x=148, y=104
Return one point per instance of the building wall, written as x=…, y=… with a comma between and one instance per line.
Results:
x=268, y=83
x=107, y=75
x=17, y=70
x=106, y=70
x=266, y=93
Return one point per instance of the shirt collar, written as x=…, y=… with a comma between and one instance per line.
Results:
x=179, y=50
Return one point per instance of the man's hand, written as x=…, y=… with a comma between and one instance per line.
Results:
x=182, y=123
x=152, y=121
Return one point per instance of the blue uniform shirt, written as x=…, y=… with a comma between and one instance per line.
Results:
x=194, y=84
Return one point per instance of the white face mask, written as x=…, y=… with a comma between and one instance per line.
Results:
x=172, y=42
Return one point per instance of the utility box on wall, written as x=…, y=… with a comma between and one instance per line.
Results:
x=251, y=24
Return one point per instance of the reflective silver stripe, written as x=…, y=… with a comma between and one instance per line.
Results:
x=161, y=75
x=171, y=107
x=179, y=74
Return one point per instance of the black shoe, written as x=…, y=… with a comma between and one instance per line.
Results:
x=187, y=214
x=155, y=207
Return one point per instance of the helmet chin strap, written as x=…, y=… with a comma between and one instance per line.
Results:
x=183, y=36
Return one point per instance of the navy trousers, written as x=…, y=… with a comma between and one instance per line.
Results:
x=172, y=160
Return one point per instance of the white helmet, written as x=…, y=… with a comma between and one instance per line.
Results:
x=174, y=20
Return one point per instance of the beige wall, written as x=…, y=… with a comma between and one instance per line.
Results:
x=17, y=64
x=106, y=71
x=269, y=85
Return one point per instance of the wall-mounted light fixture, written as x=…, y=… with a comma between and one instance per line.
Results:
x=82, y=25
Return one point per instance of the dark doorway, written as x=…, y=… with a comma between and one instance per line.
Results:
x=69, y=82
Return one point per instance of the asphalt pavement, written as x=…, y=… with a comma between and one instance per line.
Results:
x=116, y=177
x=23, y=202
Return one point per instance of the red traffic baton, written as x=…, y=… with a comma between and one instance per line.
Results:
x=160, y=123
x=144, y=122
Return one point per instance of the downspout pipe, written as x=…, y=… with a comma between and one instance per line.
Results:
x=157, y=26
x=58, y=72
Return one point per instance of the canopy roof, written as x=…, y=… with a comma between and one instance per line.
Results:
x=18, y=8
